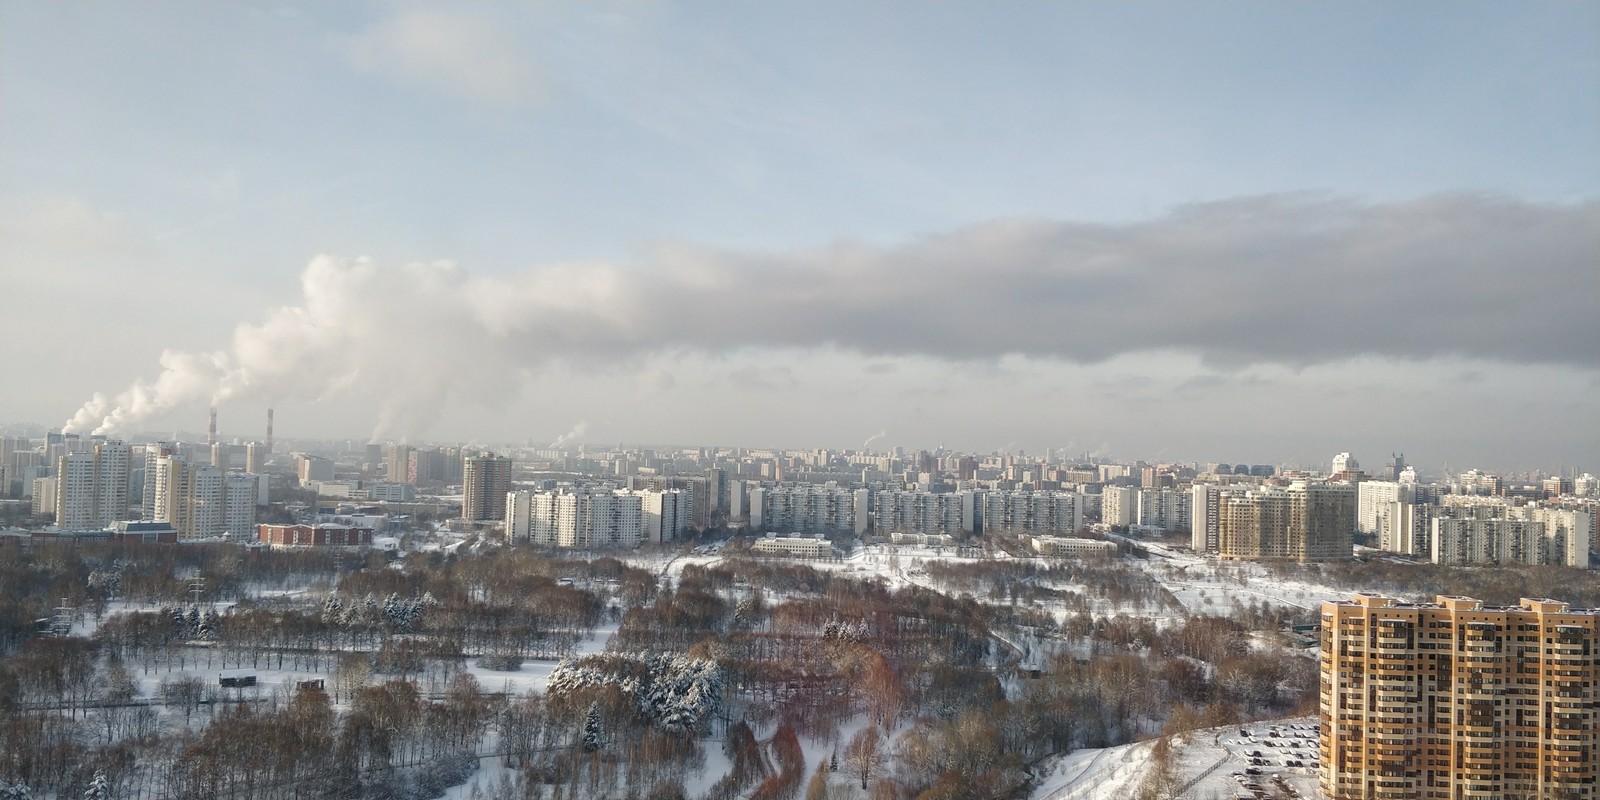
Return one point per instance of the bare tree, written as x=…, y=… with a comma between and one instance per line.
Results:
x=865, y=753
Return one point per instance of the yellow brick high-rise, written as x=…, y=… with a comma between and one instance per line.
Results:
x=1456, y=700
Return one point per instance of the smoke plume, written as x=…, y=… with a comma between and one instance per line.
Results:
x=573, y=435
x=1277, y=279
x=873, y=438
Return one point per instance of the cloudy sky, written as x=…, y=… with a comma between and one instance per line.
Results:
x=1261, y=232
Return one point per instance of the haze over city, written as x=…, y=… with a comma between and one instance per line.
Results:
x=1245, y=232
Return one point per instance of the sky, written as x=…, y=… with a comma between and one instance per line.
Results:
x=1245, y=232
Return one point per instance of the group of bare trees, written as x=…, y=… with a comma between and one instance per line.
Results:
x=912, y=692
x=392, y=643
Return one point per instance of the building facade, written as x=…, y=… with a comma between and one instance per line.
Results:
x=802, y=507
x=319, y=535
x=1164, y=509
x=1205, y=523
x=924, y=512
x=1119, y=505
x=576, y=518
x=1031, y=512
x=485, y=480
x=92, y=486
x=1455, y=700
x=1304, y=522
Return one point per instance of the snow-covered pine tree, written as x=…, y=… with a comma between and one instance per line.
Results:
x=332, y=610
x=99, y=787
x=209, y=625
x=593, y=735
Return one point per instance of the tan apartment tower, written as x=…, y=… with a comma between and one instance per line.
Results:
x=485, y=480
x=1456, y=700
x=1307, y=521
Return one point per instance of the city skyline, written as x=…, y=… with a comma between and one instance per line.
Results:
x=1243, y=231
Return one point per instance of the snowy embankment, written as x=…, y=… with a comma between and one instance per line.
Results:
x=1216, y=762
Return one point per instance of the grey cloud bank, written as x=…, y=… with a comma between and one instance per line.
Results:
x=1284, y=279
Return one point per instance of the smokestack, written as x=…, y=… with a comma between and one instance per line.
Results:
x=269, y=430
x=211, y=435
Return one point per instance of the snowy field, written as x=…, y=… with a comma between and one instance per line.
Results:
x=1212, y=763
x=1218, y=763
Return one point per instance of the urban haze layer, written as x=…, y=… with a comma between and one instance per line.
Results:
x=289, y=618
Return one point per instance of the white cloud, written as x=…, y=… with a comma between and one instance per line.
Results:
x=1274, y=282
x=448, y=53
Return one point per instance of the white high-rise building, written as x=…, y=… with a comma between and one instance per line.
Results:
x=666, y=513
x=240, y=490
x=1494, y=533
x=738, y=500
x=1373, y=499
x=1205, y=503
x=1584, y=485
x=92, y=486
x=75, y=495
x=311, y=469
x=801, y=508
x=1163, y=509
x=44, y=495
x=1407, y=528
x=1566, y=533
x=1031, y=512
x=1343, y=462
x=203, y=502
x=576, y=518
x=153, y=453
x=1119, y=505
x=924, y=512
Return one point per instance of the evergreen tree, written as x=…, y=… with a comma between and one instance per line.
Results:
x=99, y=787
x=593, y=736
x=15, y=791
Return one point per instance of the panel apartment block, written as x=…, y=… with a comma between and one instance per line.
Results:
x=1456, y=700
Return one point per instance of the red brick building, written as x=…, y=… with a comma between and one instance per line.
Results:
x=321, y=535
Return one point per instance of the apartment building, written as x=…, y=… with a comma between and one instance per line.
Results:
x=92, y=486
x=586, y=517
x=485, y=480
x=1031, y=512
x=1164, y=509
x=1307, y=521
x=807, y=507
x=924, y=512
x=1205, y=517
x=202, y=502
x=1119, y=505
x=1456, y=700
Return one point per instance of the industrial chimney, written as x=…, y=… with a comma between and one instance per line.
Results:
x=269, y=430
x=211, y=435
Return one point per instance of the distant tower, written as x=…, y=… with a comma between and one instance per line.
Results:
x=269, y=430
x=211, y=435
x=485, y=480
x=1397, y=464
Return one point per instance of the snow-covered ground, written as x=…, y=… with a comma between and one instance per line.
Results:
x=1217, y=762
x=1211, y=763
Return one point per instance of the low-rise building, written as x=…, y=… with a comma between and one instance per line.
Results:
x=319, y=535
x=1072, y=547
x=793, y=547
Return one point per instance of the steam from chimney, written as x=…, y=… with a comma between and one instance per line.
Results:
x=573, y=435
x=873, y=438
x=211, y=432
x=413, y=337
